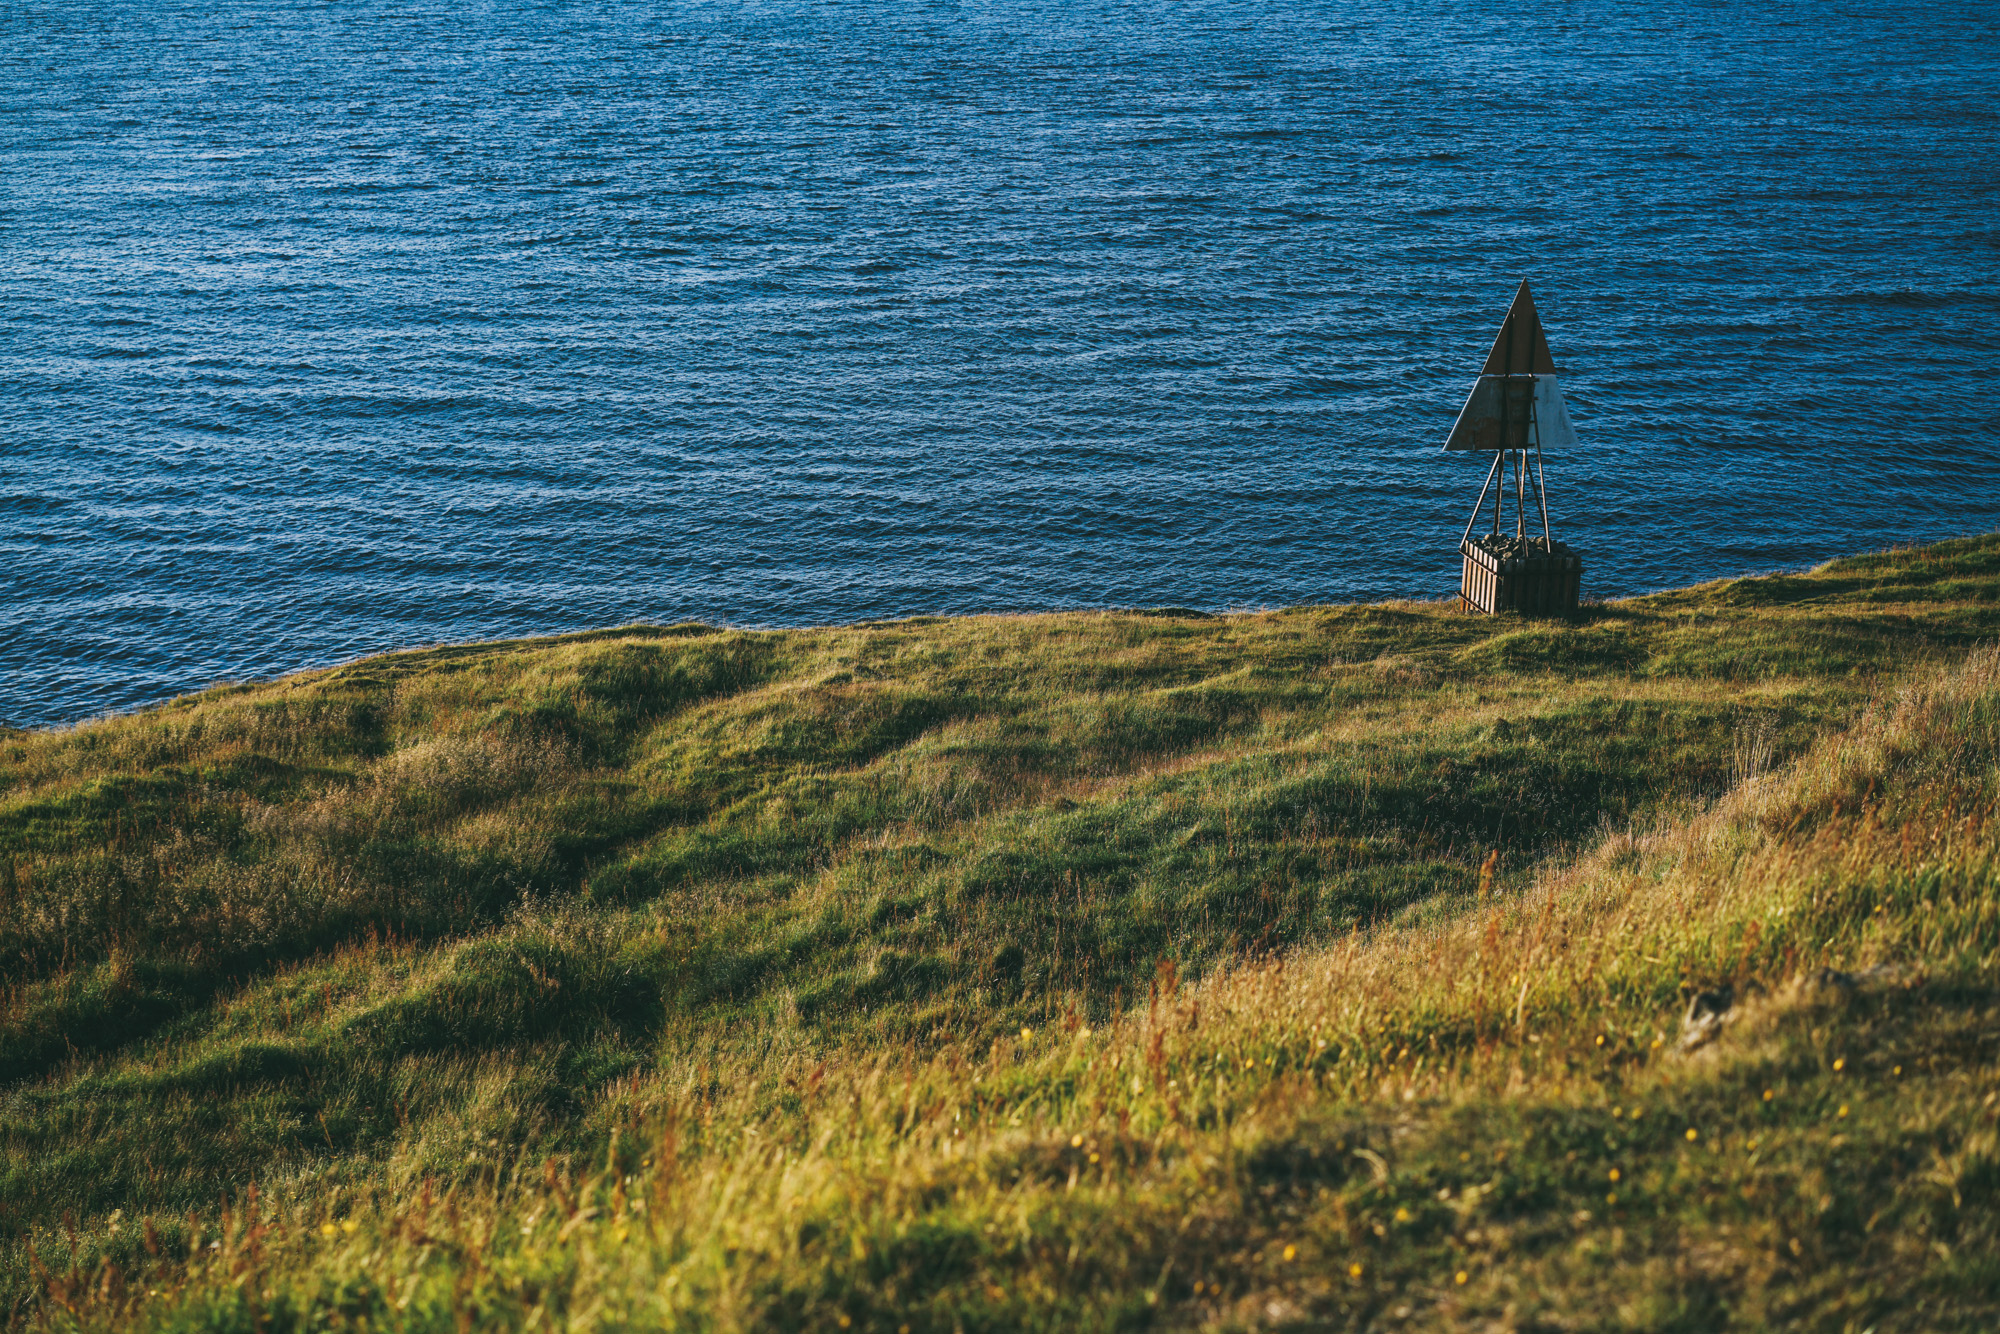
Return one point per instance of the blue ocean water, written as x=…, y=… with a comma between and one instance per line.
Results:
x=332, y=326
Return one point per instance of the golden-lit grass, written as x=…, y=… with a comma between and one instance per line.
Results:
x=1040, y=972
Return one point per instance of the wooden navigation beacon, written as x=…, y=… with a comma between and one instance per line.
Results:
x=1515, y=409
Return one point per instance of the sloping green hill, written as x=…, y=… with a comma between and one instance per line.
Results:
x=1321, y=968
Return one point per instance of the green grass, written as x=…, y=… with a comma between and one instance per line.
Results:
x=1072, y=971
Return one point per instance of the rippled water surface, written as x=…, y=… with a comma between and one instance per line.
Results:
x=331, y=327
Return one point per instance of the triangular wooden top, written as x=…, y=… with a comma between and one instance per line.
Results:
x=1520, y=349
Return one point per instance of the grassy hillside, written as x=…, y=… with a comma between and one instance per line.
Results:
x=1321, y=968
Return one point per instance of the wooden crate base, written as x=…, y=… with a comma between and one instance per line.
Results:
x=1532, y=578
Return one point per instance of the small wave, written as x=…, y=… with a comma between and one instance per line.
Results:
x=1909, y=298
x=31, y=503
